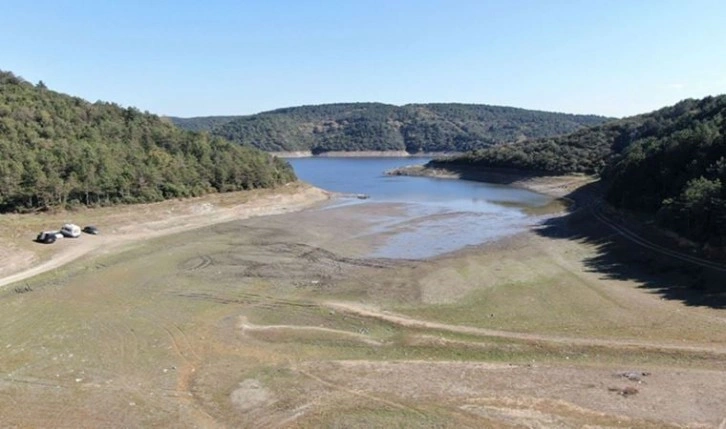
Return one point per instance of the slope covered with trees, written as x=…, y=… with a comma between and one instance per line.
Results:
x=59, y=150
x=670, y=163
x=584, y=151
x=678, y=172
x=202, y=123
x=380, y=127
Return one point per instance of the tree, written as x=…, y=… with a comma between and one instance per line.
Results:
x=60, y=150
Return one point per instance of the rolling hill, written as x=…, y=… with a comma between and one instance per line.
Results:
x=413, y=128
x=59, y=150
x=669, y=164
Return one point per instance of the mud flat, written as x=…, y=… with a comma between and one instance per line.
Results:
x=287, y=321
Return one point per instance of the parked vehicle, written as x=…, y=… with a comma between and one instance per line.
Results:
x=90, y=229
x=46, y=237
x=71, y=230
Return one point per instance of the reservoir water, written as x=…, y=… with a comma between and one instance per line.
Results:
x=439, y=215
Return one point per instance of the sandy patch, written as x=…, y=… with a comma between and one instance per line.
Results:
x=250, y=394
x=247, y=327
x=15, y=259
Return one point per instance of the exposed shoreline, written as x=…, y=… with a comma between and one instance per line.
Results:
x=132, y=224
x=288, y=315
x=554, y=186
x=360, y=154
x=145, y=221
x=154, y=220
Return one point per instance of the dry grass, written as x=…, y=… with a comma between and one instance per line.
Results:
x=128, y=224
x=231, y=325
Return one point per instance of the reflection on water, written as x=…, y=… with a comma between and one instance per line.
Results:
x=439, y=216
x=435, y=232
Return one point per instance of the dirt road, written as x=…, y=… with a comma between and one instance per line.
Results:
x=367, y=311
x=135, y=227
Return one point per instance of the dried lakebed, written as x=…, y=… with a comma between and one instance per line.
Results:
x=329, y=317
x=288, y=321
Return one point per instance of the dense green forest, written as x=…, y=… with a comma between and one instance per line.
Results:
x=678, y=171
x=382, y=127
x=201, y=123
x=670, y=163
x=584, y=151
x=59, y=150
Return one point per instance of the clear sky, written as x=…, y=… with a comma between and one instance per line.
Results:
x=216, y=57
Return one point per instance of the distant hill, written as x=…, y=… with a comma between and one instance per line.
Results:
x=202, y=123
x=670, y=163
x=60, y=150
x=382, y=127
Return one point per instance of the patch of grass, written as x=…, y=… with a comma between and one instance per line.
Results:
x=369, y=414
x=552, y=304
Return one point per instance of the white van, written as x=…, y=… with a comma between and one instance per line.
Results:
x=71, y=230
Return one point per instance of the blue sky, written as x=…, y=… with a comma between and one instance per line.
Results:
x=191, y=58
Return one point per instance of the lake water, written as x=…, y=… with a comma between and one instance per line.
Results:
x=440, y=215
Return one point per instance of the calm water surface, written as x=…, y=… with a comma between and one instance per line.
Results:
x=440, y=216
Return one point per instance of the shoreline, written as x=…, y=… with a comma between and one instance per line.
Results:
x=213, y=320
x=175, y=216
x=554, y=186
x=361, y=154
x=141, y=222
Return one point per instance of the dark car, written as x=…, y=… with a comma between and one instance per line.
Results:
x=46, y=237
x=90, y=229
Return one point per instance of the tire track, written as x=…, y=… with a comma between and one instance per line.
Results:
x=151, y=228
x=409, y=322
x=197, y=263
x=184, y=376
x=249, y=299
x=245, y=325
x=360, y=394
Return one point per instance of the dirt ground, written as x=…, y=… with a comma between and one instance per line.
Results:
x=124, y=225
x=283, y=321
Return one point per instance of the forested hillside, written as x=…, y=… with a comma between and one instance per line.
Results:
x=584, y=151
x=59, y=150
x=380, y=127
x=202, y=123
x=678, y=172
x=670, y=163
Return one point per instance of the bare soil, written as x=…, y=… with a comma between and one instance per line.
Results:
x=194, y=314
x=123, y=225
